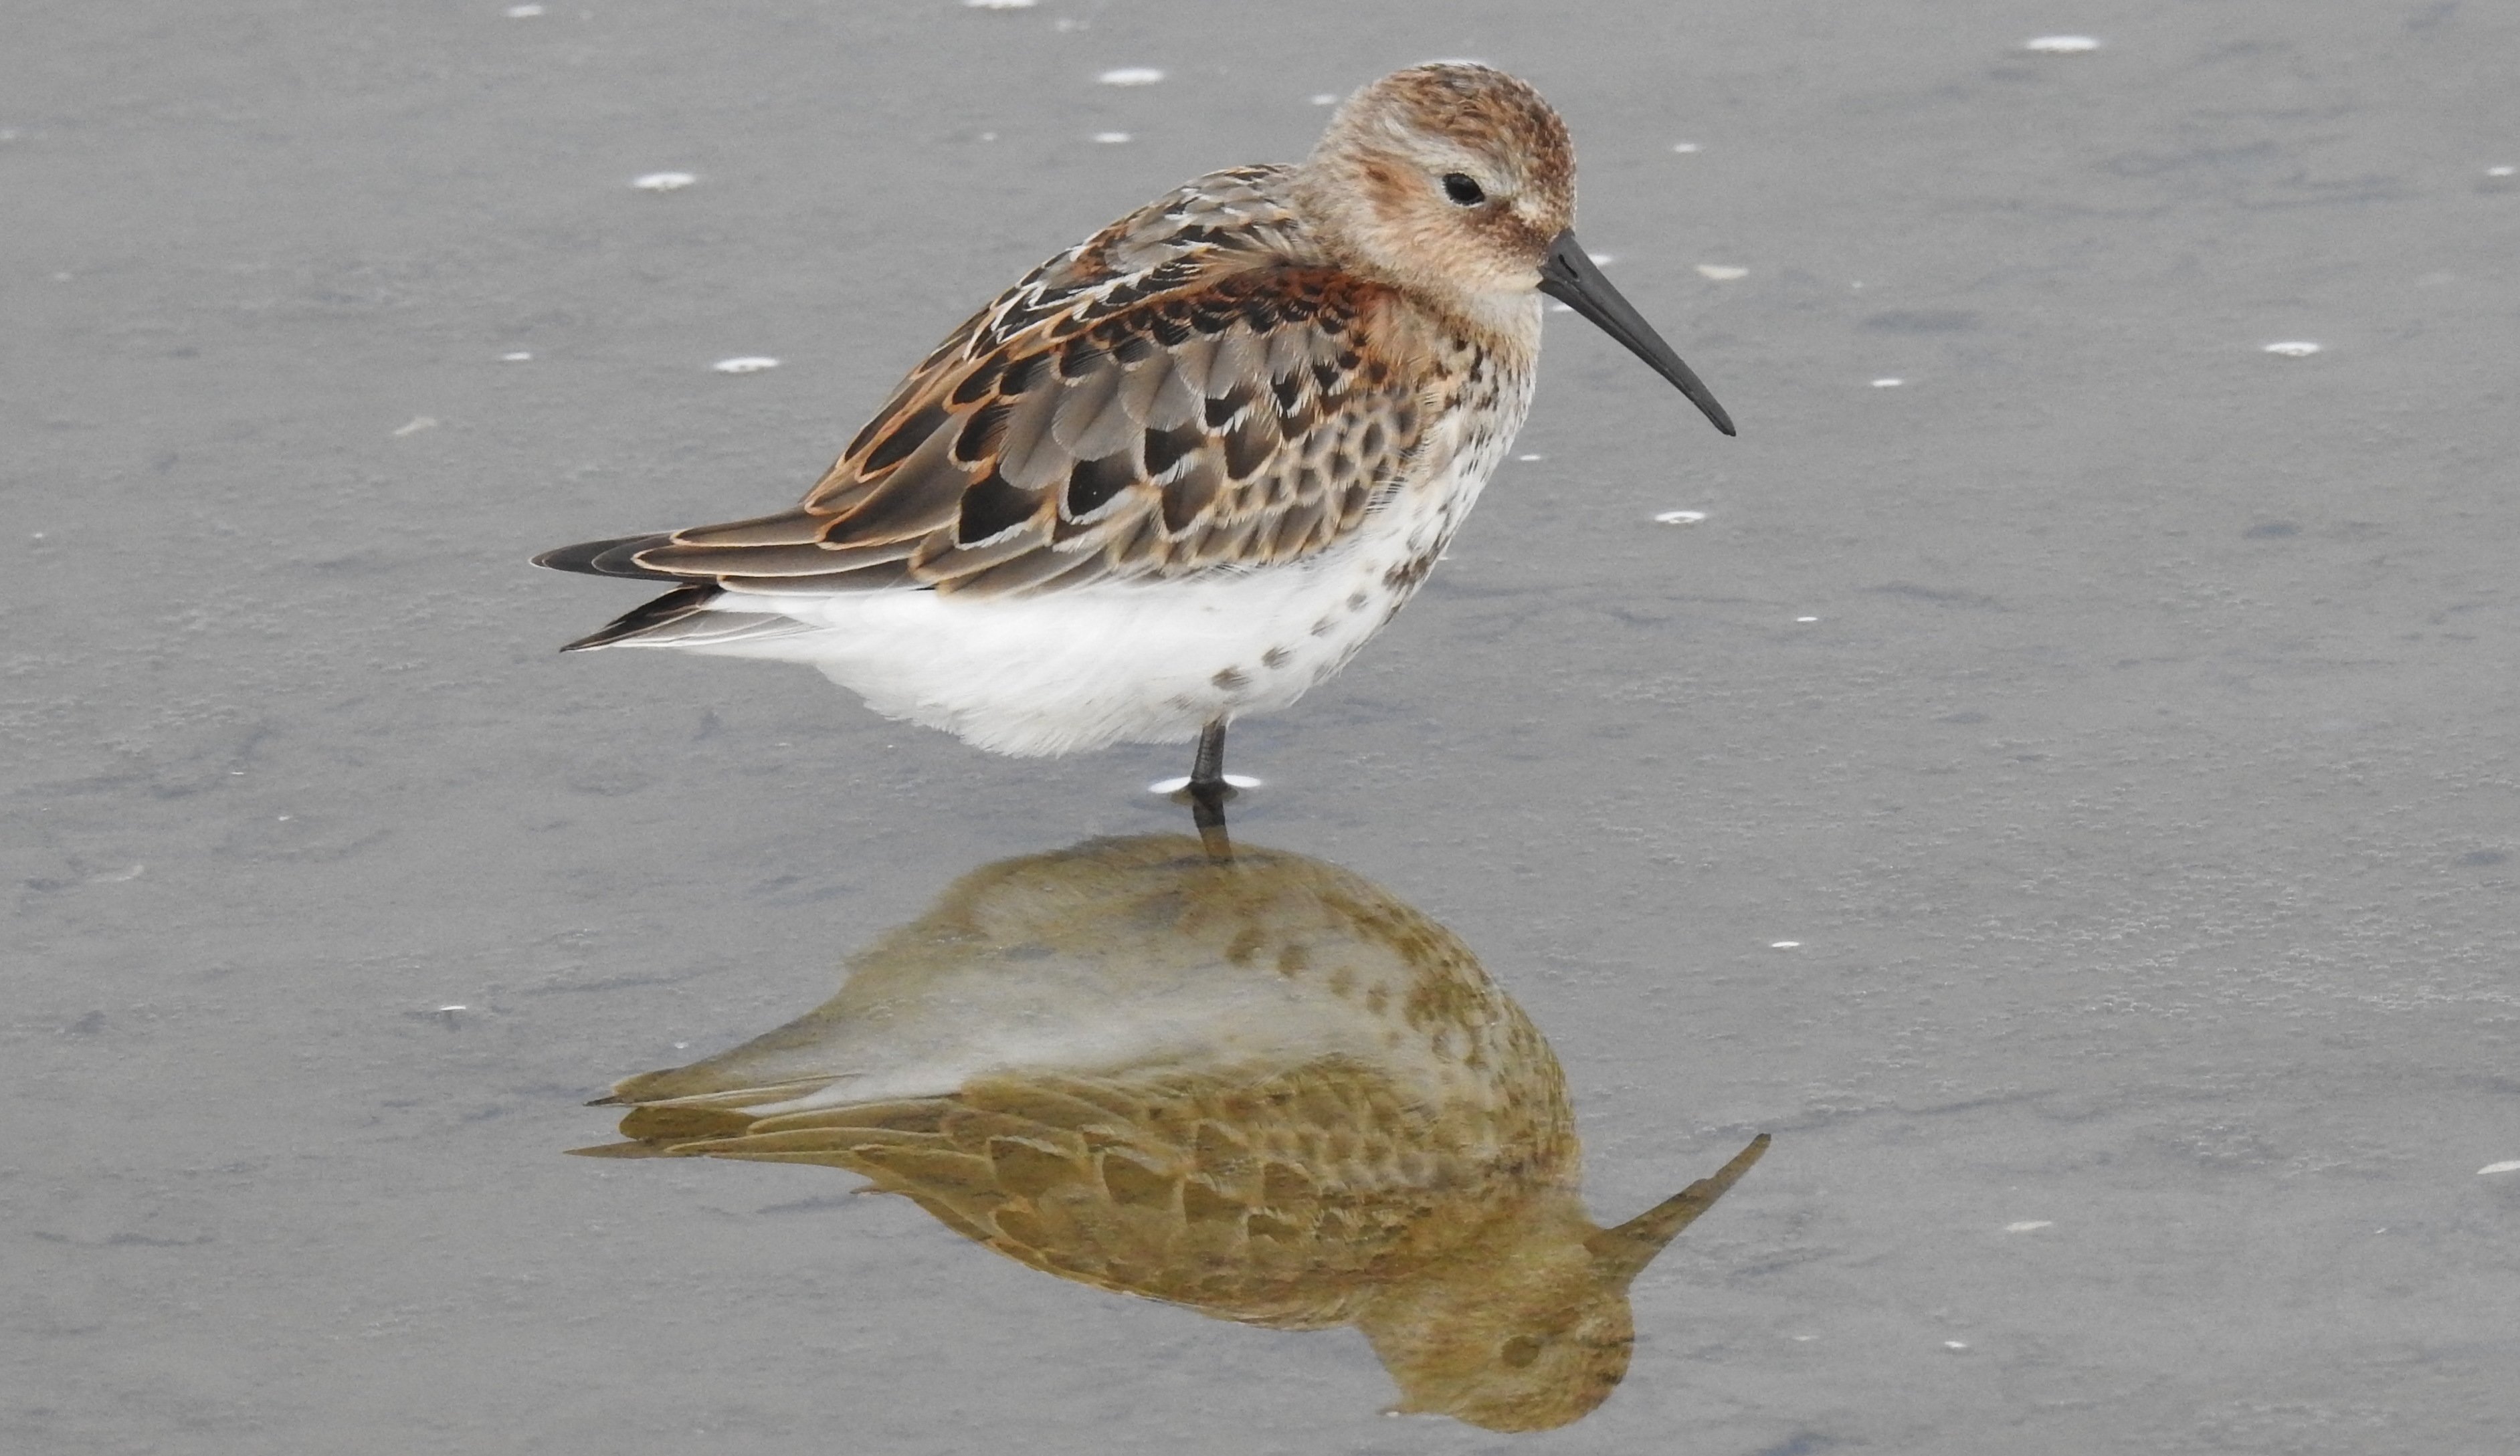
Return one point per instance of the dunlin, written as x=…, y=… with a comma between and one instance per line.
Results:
x=1182, y=471
x=1260, y=1087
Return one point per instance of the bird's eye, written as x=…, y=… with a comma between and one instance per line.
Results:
x=1463, y=188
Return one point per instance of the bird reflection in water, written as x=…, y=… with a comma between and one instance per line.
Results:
x=1245, y=1081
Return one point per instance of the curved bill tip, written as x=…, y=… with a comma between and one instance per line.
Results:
x=1569, y=275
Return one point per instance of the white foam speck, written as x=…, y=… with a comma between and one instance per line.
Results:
x=1785, y=944
x=1684, y=146
x=418, y=424
x=745, y=364
x=1680, y=517
x=663, y=181
x=1722, y=272
x=1000, y=4
x=1806, y=619
x=1324, y=99
x=523, y=11
x=2500, y=171
x=1111, y=138
x=2027, y=1224
x=1799, y=1338
x=1891, y=382
x=2296, y=348
x=451, y=1010
x=518, y=357
x=1954, y=1344
x=1530, y=457
x=2511, y=1166
x=988, y=136
x=1131, y=75
x=2062, y=45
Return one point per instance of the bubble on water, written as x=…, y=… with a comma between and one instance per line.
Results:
x=1131, y=75
x=1722, y=272
x=745, y=364
x=1891, y=382
x=1785, y=944
x=1111, y=138
x=2027, y=1224
x=1806, y=619
x=1683, y=147
x=663, y=181
x=523, y=11
x=518, y=357
x=1324, y=99
x=2296, y=348
x=1530, y=457
x=1000, y=4
x=1954, y=1344
x=1680, y=517
x=2062, y=45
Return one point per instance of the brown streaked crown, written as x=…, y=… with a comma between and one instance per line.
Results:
x=1376, y=186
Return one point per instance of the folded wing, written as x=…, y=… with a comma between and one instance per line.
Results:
x=1190, y=389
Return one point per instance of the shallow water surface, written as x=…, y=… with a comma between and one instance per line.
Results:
x=2054, y=771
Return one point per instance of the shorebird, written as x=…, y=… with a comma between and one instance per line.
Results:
x=1181, y=472
x=1260, y=1087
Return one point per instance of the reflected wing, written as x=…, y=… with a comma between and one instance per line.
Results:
x=1191, y=388
x=1270, y=1199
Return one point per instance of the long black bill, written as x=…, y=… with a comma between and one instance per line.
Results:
x=1569, y=275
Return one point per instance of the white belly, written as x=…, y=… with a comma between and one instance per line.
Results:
x=1143, y=662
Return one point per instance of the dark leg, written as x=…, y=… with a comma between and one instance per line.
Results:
x=1208, y=791
x=1207, y=770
